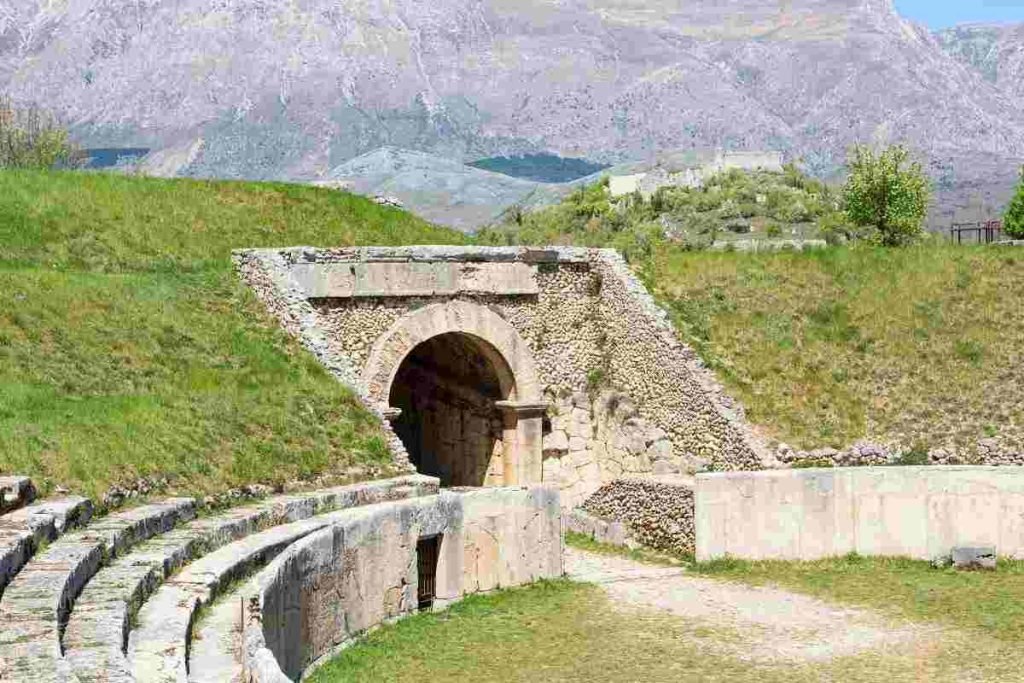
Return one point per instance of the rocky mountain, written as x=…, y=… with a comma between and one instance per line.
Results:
x=272, y=89
x=996, y=51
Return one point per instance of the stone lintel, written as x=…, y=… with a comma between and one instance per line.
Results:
x=523, y=409
x=403, y=278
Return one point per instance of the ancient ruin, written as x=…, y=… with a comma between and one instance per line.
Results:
x=508, y=366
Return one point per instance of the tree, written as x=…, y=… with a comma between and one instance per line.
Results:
x=887, y=193
x=32, y=138
x=1013, y=221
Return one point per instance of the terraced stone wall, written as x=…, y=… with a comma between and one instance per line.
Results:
x=362, y=571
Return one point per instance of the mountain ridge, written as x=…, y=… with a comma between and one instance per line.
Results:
x=294, y=91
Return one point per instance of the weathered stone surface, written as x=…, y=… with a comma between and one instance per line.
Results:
x=339, y=582
x=588, y=326
x=968, y=557
x=556, y=443
x=15, y=492
x=158, y=646
x=918, y=512
x=609, y=532
x=657, y=513
x=38, y=601
x=23, y=530
x=99, y=624
x=404, y=279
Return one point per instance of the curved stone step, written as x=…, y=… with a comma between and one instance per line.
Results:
x=23, y=530
x=97, y=634
x=215, y=654
x=37, y=602
x=158, y=648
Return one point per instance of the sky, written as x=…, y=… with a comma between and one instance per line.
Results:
x=943, y=13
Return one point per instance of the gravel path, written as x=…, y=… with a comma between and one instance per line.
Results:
x=753, y=623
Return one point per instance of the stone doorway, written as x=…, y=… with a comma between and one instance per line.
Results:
x=445, y=397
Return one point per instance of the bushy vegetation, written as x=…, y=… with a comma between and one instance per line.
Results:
x=888, y=194
x=32, y=138
x=730, y=206
x=1013, y=222
x=129, y=347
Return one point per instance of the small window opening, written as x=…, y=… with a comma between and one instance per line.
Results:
x=426, y=561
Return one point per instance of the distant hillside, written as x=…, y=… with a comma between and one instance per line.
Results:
x=440, y=190
x=250, y=89
x=128, y=346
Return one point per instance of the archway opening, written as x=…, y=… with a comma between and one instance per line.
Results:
x=446, y=389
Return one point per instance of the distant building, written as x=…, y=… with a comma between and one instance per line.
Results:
x=691, y=169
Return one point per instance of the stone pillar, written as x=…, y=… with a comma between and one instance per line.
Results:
x=523, y=436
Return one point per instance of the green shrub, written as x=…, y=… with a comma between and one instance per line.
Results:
x=1013, y=222
x=33, y=139
x=888, y=193
x=915, y=457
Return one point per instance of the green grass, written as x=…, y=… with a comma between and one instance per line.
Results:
x=561, y=631
x=639, y=554
x=129, y=347
x=989, y=603
x=921, y=345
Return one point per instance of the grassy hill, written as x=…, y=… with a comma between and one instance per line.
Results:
x=920, y=345
x=731, y=206
x=128, y=347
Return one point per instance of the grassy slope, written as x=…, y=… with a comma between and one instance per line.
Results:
x=128, y=346
x=921, y=344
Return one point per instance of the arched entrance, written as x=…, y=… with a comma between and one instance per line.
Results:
x=461, y=390
x=448, y=390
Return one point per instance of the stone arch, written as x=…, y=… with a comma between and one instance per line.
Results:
x=505, y=348
x=461, y=389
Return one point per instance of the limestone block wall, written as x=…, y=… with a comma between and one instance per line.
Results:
x=575, y=329
x=919, y=512
x=362, y=571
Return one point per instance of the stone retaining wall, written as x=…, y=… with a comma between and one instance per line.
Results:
x=340, y=582
x=920, y=512
x=657, y=513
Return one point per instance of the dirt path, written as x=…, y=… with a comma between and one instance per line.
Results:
x=753, y=623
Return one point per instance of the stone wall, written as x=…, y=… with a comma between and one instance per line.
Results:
x=338, y=583
x=657, y=513
x=919, y=512
x=572, y=328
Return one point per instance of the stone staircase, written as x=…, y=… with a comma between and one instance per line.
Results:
x=127, y=597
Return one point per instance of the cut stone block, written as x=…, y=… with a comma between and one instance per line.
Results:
x=15, y=492
x=980, y=557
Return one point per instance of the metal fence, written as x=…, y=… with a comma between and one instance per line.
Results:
x=982, y=232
